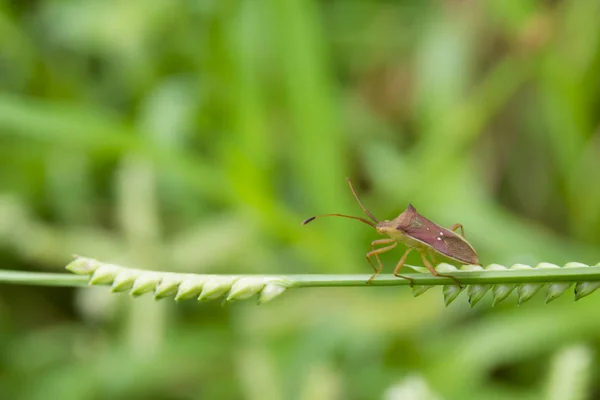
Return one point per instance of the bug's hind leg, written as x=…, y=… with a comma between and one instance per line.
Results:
x=455, y=227
x=433, y=257
x=434, y=272
x=376, y=253
x=401, y=264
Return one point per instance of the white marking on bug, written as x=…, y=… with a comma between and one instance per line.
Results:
x=441, y=233
x=439, y=238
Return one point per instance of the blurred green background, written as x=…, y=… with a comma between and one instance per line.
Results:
x=195, y=136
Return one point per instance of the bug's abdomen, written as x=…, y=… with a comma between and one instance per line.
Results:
x=444, y=242
x=457, y=248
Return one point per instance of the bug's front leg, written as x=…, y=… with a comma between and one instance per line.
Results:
x=376, y=253
x=401, y=264
x=455, y=228
x=376, y=243
x=433, y=271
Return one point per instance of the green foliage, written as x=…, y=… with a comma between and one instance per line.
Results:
x=195, y=136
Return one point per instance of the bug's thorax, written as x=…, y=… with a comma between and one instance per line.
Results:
x=395, y=228
x=389, y=228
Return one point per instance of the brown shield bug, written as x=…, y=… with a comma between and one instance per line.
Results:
x=417, y=233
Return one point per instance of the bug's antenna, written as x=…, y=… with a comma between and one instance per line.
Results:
x=339, y=215
x=360, y=204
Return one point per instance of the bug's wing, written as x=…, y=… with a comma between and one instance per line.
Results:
x=448, y=244
x=440, y=239
x=459, y=249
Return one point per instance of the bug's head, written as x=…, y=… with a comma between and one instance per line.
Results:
x=375, y=224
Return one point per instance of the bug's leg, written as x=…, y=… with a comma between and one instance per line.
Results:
x=376, y=253
x=434, y=272
x=433, y=257
x=401, y=263
x=373, y=244
x=455, y=228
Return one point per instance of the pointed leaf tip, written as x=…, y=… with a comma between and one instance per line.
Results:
x=520, y=266
x=501, y=292
x=168, y=286
x=576, y=265
x=216, y=287
x=83, y=266
x=104, y=274
x=555, y=290
x=245, y=288
x=495, y=267
x=124, y=280
x=418, y=290
x=526, y=291
x=270, y=291
x=583, y=289
x=422, y=270
x=471, y=268
x=547, y=265
x=145, y=283
x=445, y=268
x=190, y=287
x=476, y=293
x=451, y=292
